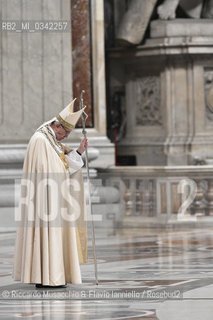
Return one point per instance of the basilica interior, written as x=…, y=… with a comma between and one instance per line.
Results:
x=146, y=67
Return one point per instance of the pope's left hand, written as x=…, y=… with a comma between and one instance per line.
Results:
x=83, y=145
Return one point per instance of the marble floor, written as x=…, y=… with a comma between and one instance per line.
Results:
x=143, y=274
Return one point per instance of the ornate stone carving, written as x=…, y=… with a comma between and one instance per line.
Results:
x=148, y=111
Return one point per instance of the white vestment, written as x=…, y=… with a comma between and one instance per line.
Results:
x=49, y=251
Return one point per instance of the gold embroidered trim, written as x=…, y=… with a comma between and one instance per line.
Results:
x=64, y=123
x=59, y=153
x=64, y=160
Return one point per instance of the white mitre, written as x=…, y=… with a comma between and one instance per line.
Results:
x=67, y=117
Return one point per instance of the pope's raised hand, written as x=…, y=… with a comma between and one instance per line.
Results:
x=83, y=145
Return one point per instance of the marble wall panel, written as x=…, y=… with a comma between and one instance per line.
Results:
x=144, y=106
x=32, y=79
x=51, y=57
x=11, y=73
x=35, y=69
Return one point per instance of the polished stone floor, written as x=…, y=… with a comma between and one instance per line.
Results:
x=143, y=274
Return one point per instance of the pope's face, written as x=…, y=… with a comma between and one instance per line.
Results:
x=61, y=132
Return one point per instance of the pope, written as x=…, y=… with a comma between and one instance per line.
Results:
x=51, y=237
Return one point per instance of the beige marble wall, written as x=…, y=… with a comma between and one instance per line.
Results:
x=36, y=75
x=35, y=69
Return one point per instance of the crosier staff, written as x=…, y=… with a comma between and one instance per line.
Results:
x=84, y=117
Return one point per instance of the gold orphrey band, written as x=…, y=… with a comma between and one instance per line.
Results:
x=64, y=123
